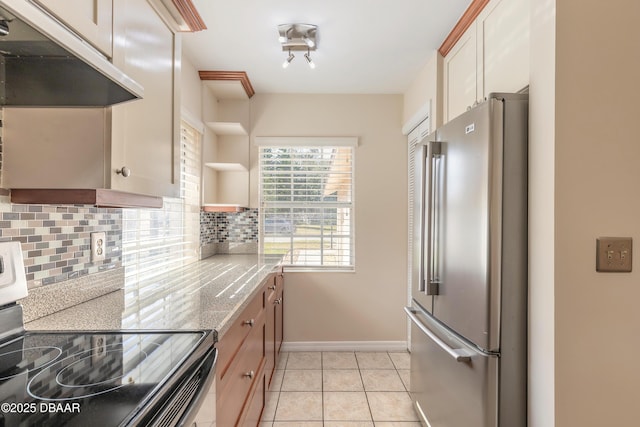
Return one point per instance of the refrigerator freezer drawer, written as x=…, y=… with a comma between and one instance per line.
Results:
x=452, y=384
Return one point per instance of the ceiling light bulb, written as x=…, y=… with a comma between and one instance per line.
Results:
x=287, y=61
x=309, y=61
x=282, y=39
x=310, y=43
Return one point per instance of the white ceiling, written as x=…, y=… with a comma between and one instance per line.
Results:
x=364, y=46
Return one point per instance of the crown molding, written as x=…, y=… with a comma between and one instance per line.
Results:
x=239, y=76
x=190, y=15
x=464, y=22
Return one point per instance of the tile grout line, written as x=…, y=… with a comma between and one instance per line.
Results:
x=396, y=369
x=364, y=389
x=322, y=384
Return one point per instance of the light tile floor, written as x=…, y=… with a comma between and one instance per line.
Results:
x=340, y=389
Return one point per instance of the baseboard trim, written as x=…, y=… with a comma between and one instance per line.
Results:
x=344, y=346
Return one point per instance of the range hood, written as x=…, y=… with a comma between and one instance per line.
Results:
x=42, y=63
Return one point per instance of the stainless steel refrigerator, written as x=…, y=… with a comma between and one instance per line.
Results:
x=469, y=283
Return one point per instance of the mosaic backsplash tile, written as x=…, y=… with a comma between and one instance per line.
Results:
x=56, y=239
x=229, y=227
x=228, y=233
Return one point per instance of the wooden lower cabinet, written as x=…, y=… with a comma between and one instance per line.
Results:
x=279, y=312
x=248, y=356
x=273, y=323
x=269, y=333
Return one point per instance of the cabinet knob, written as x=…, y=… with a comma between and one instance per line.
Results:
x=249, y=374
x=273, y=288
x=278, y=301
x=124, y=171
x=249, y=322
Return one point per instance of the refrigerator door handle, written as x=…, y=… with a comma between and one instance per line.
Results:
x=459, y=354
x=431, y=282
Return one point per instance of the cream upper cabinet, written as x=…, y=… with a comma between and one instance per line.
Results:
x=460, y=85
x=503, y=51
x=91, y=19
x=87, y=148
x=146, y=133
x=491, y=56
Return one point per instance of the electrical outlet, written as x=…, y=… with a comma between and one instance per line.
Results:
x=98, y=246
x=98, y=348
x=613, y=254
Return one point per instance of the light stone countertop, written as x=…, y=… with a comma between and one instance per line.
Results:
x=207, y=294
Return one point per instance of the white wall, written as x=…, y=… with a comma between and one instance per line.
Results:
x=365, y=305
x=541, y=213
x=191, y=91
x=597, y=153
x=425, y=89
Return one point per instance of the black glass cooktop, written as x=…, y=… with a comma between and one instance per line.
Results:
x=82, y=379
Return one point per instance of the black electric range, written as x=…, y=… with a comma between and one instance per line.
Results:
x=102, y=378
x=99, y=378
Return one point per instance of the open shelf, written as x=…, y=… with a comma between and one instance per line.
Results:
x=227, y=128
x=227, y=167
x=221, y=207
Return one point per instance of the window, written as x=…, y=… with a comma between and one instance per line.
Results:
x=307, y=204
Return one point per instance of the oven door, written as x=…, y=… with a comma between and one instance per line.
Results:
x=193, y=401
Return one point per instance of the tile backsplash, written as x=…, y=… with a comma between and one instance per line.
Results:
x=56, y=239
x=228, y=232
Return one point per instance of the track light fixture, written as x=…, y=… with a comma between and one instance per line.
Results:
x=298, y=37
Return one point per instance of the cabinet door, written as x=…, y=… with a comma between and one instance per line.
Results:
x=460, y=75
x=270, y=330
x=279, y=313
x=92, y=19
x=146, y=132
x=65, y=150
x=503, y=47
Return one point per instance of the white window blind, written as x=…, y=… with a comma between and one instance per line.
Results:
x=307, y=205
x=190, y=149
x=190, y=155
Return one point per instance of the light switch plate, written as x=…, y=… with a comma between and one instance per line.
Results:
x=614, y=254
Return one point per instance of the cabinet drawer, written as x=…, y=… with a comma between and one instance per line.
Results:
x=229, y=344
x=255, y=404
x=246, y=368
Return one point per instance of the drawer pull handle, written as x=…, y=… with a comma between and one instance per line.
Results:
x=249, y=322
x=278, y=301
x=249, y=374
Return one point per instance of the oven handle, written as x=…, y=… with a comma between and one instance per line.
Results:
x=196, y=402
